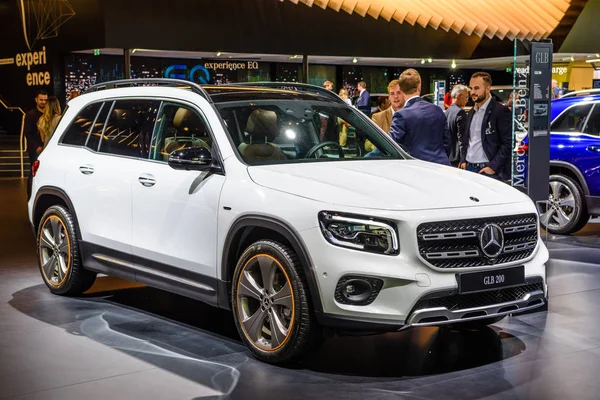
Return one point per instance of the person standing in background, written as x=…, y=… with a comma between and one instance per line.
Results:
x=457, y=120
x=364, y=97
x=420, y=126
x=48, y=121
x=383, y=119
x=35, y=145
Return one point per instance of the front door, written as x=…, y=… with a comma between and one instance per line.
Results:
x=175, y=211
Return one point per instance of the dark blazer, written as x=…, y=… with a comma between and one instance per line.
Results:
x=496, y=136
x=32, y=133
x=421, y=128
x=457, y=120
x=364, y=99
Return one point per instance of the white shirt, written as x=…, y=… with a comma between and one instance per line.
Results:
x=475, y=153
x=409, y=100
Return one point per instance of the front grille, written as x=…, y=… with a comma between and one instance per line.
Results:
x=456, y=244
x=481, y=299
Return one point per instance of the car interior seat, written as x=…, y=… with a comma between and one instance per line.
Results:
x=183, y=132
x=261, y=129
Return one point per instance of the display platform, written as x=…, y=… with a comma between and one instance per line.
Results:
x=123, y=340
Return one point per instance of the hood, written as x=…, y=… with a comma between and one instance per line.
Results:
x=401, y=185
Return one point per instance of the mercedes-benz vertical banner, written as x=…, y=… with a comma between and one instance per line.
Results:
x=540, y=95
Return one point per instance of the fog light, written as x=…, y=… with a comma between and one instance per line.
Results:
x=357, y=290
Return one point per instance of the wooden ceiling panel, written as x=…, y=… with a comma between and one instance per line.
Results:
x=523, y=19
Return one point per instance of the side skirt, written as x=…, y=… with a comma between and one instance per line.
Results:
x=161, y=276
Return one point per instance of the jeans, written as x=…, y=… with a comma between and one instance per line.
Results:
x=478, y=167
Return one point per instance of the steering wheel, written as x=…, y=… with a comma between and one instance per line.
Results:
x=318, y=146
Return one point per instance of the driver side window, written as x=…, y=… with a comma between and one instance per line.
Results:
x=178, y=127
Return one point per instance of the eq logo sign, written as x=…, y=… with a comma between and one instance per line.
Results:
x=201, y=73
x=197, y=74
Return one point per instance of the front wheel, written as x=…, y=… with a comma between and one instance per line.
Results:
x=566, y=210
x=270, y=302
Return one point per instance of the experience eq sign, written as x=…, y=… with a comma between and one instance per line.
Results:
x=34, y=58
x=201, y=73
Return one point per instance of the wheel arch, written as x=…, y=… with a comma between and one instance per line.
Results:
x=47, y=197
x=570, y=170
x=250, y=228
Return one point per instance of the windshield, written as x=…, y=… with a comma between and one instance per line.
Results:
x=292, y=131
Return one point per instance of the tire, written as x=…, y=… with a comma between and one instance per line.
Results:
x=567, y=211
x=60, y=263
x=257, y=311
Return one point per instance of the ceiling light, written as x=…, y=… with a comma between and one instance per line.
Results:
x=354, y=60
x=572, y=58
x=597, y=55
x=453, y=64
x=429, y=60
x=219, y=54
x=423, y=61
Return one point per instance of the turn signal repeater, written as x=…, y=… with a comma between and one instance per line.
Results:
x=34, y=167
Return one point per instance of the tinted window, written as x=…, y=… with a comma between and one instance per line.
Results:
x=129, y=128
x=593, y=123
x=78, y=131
x=572, y=120
x=178, y=127
x=96, y=130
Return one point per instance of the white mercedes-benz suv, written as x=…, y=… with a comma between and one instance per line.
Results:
x=261, y=199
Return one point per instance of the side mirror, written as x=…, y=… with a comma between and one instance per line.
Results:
x=191, y=159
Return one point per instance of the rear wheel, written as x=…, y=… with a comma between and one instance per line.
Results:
x=566, y=211
x=270, y=302
x=58, y=254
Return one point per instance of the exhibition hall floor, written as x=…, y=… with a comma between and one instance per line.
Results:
x=123, y=341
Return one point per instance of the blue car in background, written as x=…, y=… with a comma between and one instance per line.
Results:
x=574, y=163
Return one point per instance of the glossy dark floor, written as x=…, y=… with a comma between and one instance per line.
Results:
x=123, y=341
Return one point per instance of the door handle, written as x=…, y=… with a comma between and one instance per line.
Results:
x=147, y=181
x=595, y=149
x=86, y=169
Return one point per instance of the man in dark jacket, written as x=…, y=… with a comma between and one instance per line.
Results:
x=420, y=126
x=32, y=134
x=457, y=119
x=486, y=146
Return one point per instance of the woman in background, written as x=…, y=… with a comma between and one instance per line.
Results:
x=344, y=96
x=48, y=121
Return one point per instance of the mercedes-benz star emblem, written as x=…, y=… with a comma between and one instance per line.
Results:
x=492, y=240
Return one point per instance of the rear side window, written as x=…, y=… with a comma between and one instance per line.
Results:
x=78, y=132
x=572, y=120
x=129, y=128
x=96, y=130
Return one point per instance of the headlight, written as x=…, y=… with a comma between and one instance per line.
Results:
x=359, y=232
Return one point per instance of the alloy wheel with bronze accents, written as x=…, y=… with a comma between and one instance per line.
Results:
x=54, y=250
x=265, y=302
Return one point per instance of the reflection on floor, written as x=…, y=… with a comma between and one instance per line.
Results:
x=123, y=340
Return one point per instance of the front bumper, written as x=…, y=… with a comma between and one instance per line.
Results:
x=409, y=284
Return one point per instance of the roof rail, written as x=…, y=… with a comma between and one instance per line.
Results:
x=298, y=87
x=581, y=93
x=194, y=87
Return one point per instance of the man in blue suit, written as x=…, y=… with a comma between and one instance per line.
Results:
x=420, y=126
x=486, y=146
x=363, y=103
